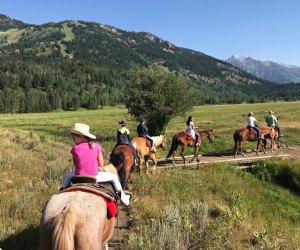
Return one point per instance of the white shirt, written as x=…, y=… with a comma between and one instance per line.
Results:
x=251, y=121
x=190, y=129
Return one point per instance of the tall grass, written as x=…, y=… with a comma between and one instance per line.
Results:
x=240, y=208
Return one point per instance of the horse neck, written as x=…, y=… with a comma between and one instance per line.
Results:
x=203, y=133
x=157, y=140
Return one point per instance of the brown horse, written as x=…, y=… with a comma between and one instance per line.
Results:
x=143, y=150
x=182, y=139
x=123, y=159
x=75, y=220
x=242, y=135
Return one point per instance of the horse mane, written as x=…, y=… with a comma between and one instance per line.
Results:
x=63, y=229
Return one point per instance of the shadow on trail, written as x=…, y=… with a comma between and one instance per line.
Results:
x=27, y=239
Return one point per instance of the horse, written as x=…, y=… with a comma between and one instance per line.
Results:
x=268, y=133
x=242, y=135
x=75, y=220
x=277, y=137
x=143, y=150
x=122, y=158
x=182, y=139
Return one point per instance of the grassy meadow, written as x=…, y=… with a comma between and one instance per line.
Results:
x=214, y=207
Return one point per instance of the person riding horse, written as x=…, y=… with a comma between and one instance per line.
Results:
x=142, y=131
x=191, y=130
x=123, y=137
x=272, y=122
x=252, y=124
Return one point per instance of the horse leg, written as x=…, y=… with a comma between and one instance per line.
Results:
x=181, y=153
x=241, y=148
x=147, y=164
x=195, y=155
x=153, y=158
x=173, y=161
x=141, y=162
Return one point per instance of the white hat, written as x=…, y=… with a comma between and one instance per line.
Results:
x=82, y=129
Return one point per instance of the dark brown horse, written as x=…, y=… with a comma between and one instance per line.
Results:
x=143, y=150
x=244, y=134
x=182, y=139
x=123, y=159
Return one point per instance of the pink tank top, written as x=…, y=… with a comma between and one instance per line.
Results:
x=85, y=158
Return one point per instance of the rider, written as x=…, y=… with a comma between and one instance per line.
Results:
x=87, y=157
x=271, y=121
x=142, y=131
x=123, y=137
x=252, y=124
x=191, y=130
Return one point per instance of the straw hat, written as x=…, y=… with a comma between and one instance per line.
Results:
x=271, y=112
x=82, y=129
x=123, y=122
x=250, y=113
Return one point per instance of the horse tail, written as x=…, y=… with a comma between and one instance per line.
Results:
x=174, y=146
x=117, y=159
x=63, y=229
x=236, y=136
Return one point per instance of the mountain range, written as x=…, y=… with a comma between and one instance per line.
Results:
x=74, y=64
x=268, y=70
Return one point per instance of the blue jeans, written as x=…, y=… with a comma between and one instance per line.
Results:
x=197, y=136
x=257, y=131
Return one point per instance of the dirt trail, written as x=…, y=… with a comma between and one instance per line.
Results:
x=121, y=229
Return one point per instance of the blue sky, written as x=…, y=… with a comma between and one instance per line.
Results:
x=261, y=29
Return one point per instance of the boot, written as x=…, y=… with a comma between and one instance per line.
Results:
x=125, y=198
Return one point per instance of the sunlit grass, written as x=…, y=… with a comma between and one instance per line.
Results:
x=35, y=158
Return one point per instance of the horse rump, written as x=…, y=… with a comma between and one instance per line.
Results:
x=59, y=231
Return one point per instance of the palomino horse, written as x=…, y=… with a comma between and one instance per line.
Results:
x=277, y=138
x=75, y=220
x=242, y=135
x=123, y=159
x=143, y=150
x=182, y=139
x=269, y=134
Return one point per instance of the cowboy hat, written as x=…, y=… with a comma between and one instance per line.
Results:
x=250, y=113
x=82, y=129
x=123, y=122
x=271, y=112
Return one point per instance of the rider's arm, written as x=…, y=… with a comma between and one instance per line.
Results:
x=100, y=160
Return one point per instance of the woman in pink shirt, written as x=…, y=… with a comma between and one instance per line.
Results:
x=87, y=158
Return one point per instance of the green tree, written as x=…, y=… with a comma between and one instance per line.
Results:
x=157, y=96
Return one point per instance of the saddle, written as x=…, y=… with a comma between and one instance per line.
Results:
x=191, y=138
x=252, y=131
x=132, y=151
x=104, y=189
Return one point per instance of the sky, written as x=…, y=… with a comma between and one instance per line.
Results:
x=261, y=29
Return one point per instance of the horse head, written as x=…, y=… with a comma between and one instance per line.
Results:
x=161, y=142
x=210, y=135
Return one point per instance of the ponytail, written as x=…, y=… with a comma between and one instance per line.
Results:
x=188, y=120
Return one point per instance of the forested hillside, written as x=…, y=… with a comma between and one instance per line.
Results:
x=75, y=64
